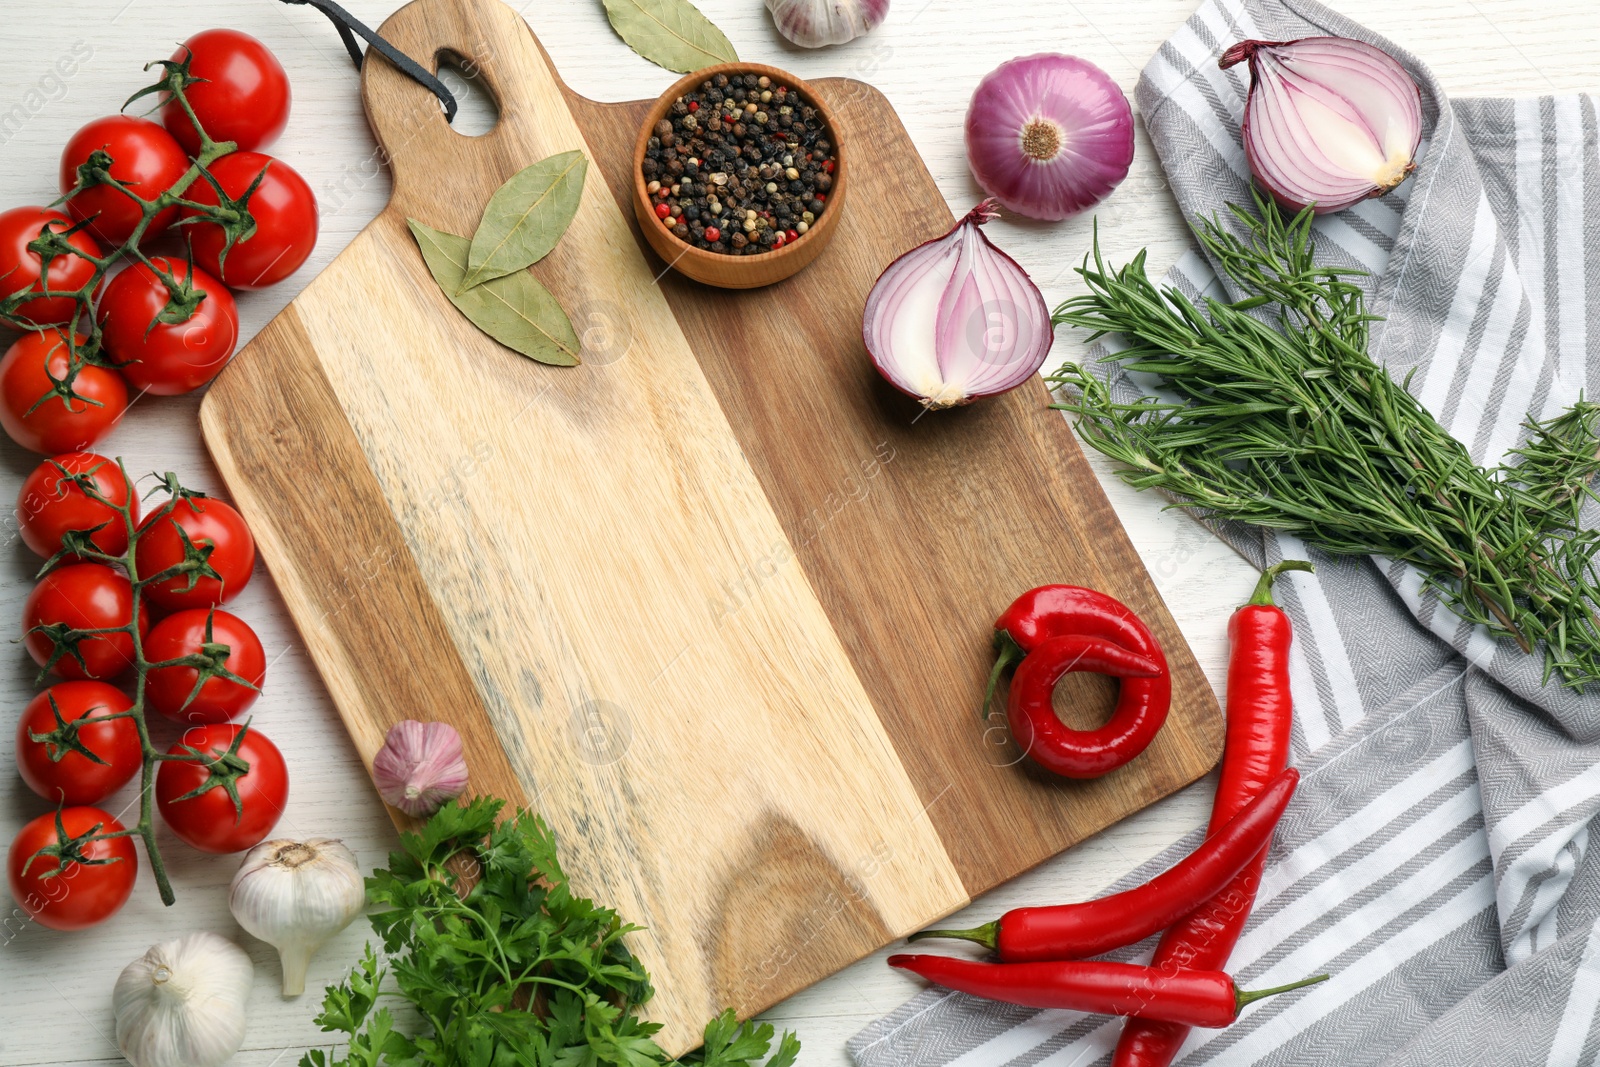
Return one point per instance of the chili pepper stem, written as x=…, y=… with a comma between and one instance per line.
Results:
x=1262, y=597
x=1009, y=655
x=1244, y=997
x=987, y=935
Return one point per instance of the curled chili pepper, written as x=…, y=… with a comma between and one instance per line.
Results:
x=1074, y=931
x=1049, y=613
x=1189, y=998
x=1053, y=744
x=1259, y=715
x=1062, y=610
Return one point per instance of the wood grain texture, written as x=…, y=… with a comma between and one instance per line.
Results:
x=719, y=599
x=917, y=531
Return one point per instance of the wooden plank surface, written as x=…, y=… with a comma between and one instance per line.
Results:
x=721, y=597
x=573, y=531
x=917, y=530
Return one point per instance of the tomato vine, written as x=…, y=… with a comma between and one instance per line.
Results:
x=78, y=545
x=81, y=331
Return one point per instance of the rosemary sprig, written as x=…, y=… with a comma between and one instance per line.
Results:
x=1282, y=419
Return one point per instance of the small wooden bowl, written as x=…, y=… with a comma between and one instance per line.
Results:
x=738, y=272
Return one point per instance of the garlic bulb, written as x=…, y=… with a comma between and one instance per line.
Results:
x=181, y=1004
x=295, y=895
x=814, y=23
x=420, y=766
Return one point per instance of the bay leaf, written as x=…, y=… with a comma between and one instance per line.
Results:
x=670, y=33
x=515, y=310
x=526, y=217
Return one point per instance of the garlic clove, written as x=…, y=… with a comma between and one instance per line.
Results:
x=181, y=1004
x=295, y=895
x=815, y=23
x=420, y=766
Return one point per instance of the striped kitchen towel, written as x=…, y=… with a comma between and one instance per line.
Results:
x=1436, y=858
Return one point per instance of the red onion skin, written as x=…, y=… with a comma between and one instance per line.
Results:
x=1296, y=201
x=984, y=212
x=1087, y=107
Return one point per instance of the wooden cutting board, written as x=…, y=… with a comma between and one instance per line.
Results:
x=717, y=602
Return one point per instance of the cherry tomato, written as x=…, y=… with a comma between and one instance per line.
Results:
x=285, y=214
x=84, y=596
x=144, y=158
x=167, y=358
x=202, y=522
x=72, y=895
x=31, y=369
x=20, y=269
x=169, y=689
x=209, y=820
x=59, y=772
x=50, y=503
x=244, y=97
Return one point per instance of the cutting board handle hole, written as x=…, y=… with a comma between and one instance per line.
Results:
x=478, y=112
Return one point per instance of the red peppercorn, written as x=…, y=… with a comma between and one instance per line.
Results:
x=713, y=234
x=662, y=211
x=694, y=105
x=778, y=239
x=822, y=196
x=827, y=166
x=793, y=235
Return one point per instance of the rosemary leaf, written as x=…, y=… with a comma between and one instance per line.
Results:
x=1286, y=422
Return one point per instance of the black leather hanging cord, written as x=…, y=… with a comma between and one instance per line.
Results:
x=349, y=27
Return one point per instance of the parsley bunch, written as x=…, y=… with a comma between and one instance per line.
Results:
x=514, y=971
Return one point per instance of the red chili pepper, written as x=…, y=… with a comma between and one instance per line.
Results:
x=1257, y=747
x=1058, y=610
x=1053, y=744
x=1075, y=931
x=1191, y=998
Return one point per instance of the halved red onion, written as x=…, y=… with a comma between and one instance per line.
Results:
x=956, y=318
x=1330, y=121
x=1049, y=135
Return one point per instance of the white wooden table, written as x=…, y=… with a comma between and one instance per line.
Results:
x=55, y=989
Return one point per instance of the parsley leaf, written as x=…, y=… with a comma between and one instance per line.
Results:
x=503, y=965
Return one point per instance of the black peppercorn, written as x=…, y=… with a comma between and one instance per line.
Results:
x=718, y=163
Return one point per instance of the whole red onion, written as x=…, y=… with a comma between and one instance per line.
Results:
x=1049, y=135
